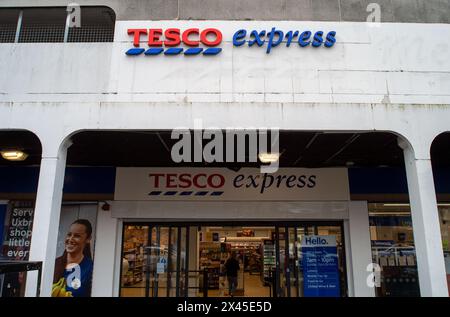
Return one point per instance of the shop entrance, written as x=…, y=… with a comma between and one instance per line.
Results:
x=276, y=259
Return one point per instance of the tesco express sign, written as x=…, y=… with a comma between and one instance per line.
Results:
x=202, y=183
x=207, y=41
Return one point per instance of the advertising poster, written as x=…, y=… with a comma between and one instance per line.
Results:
x=320, y=266
x=17, y=219
x=75, y=262
x=16, y=245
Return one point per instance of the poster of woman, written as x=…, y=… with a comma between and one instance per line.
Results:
x=73, y=269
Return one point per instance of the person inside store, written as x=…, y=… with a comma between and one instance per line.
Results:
x=231, y=271
x=73, y=270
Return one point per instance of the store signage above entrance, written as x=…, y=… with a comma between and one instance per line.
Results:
x=221, y=184
x=195, y=41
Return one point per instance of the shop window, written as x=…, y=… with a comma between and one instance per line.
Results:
x=393, y=250
x=444, y=217
x=174, y=261
x=134, y=243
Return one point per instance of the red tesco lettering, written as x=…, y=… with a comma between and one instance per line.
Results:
x=174, y=37
x=185, y=180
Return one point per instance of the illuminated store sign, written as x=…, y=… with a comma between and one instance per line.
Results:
x=224, y=184
x=194, y=41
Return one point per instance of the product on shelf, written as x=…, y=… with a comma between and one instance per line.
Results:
x=210, y=259
x=268, y=260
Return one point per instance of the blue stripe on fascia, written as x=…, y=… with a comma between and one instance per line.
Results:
x=442, y=180
x=154, y=51
x=90, y=180
x=185, y=193
x=212, y=51
x=193, y=51
x=216, y=193
x=377, y=181
x=154, y=193
x=171, y=193
x=173, y=51
x=201, y=193
x=135, y=51
x=19, y=179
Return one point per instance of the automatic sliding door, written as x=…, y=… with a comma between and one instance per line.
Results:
x=154, y=261
x=133, y=274
x=310, y=261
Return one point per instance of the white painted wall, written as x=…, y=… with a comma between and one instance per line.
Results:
x=388, y=63
x=361, y=254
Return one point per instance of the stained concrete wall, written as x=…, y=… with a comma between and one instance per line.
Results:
x=412, y=11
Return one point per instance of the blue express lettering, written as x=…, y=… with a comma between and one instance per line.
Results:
x=274, y=38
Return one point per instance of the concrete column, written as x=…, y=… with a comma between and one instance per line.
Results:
x=46, y=220
x=361, y=251
x=105, y=264
x=426, y=228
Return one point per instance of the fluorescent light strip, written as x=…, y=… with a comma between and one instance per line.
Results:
x=407, y=205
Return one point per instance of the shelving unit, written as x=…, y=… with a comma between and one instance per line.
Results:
x=210, y=259
x=268, y=260
x=135, y=260
x=252, y=252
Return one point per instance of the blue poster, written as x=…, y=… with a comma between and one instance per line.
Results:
x=2, y=222
x=320, y=266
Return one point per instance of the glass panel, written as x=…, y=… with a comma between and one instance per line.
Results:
x=158, y=262
x=283, y=268
x=393, y=250
x=335, y=231
x=298, y=262
x=181, y=264
x=134, y=243
x=293, y=262
x=155, y=260
x=268, y=261
x=172, y=262
x=444, y=218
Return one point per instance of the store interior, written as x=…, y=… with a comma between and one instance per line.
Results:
x=154, y=259
x=250, y=244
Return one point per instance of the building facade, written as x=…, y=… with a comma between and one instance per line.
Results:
x=363, y=107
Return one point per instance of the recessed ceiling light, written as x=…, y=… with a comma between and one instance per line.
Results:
x=14, y=155
x=269, y=157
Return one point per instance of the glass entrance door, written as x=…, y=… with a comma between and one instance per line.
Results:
x=292, y=259
x=155, y=261
x=310, y=260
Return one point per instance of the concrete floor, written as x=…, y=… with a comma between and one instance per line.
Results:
x=253, y=287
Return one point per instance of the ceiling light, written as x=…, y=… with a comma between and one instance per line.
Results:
x=407, y=205
x=14, y=155
x=269, y=157
x=396, y=205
